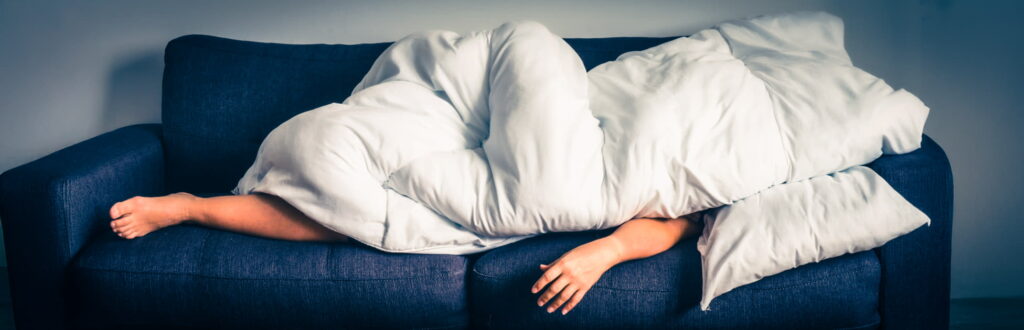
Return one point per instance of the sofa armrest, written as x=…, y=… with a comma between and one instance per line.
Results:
x=915, y=267
x=51, y=207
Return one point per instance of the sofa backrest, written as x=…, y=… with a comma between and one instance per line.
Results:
x=221, y=97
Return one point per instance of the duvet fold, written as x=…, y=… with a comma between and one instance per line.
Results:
x=459, y=143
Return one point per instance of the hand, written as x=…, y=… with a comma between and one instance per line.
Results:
x=572, y=275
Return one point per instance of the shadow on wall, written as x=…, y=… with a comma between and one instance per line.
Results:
x=133, y=90
x=132, y=97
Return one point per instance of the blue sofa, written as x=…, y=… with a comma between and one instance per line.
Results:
x=222, y=96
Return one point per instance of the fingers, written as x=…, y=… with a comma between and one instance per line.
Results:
x=575, y=300
x=549, y=275
x=563, y=291
x=553, y=290
x=562, y=298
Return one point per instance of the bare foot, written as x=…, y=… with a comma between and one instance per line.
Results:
x=138, y=216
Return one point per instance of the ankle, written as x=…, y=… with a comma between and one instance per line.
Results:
x=194, y=210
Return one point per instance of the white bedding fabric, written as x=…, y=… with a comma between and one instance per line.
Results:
x=798, y=223
x=462, y=143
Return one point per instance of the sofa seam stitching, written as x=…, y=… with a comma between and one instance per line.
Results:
x=440, y=275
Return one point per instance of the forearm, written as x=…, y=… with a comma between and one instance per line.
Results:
x=642, y=238
x=576, y=271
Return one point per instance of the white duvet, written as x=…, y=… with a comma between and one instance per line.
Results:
x=462, y=143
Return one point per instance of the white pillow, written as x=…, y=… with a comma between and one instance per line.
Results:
x=800, y=222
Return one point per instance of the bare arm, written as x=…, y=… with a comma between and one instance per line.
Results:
x=570, y=277
x=642, y=238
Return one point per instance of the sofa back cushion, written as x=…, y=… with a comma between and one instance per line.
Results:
x=221, y=97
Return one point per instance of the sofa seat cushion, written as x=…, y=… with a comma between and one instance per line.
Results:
x=664, y=290
x=193, y=276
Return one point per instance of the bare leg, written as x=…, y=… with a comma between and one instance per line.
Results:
x=255, y=214
x=570, y=277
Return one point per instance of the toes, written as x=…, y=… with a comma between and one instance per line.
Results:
x=125, y=207
x=115, y=211
x=135, y=234
x=122, y=208
x=124, y=227
x=129, y=227
x=120, y=224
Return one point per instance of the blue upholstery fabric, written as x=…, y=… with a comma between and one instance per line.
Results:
x=915, y=267
x=195, y=276
x=664, y=291
x=221, y=97
x=50, y=207
x=914, y=294
x=836, y=293
x=595, y=51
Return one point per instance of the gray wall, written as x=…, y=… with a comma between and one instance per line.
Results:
x=70, y=70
